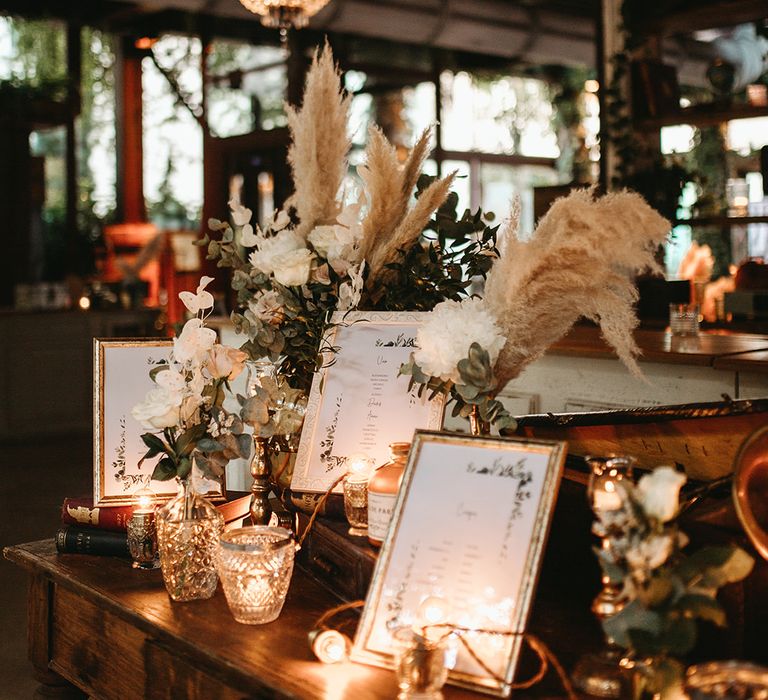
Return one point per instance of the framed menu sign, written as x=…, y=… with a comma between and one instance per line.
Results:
x=358, y=403
x=468, y=531
x=121, y=379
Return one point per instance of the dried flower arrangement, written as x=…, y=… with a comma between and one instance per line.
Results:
x=318, y=255
x=579, y=262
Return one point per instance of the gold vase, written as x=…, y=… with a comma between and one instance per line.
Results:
x=188, y=530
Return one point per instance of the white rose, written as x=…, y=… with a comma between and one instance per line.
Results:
x=451, y=327
x=193, y=342
x=267, y=249
x=650, y=553
x=334, y=243
x=659, y=493
x=160, y=409
x=292, y=268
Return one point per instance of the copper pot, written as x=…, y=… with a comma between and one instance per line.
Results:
x=750, y=488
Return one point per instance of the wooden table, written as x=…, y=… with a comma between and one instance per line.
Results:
x=113, y=632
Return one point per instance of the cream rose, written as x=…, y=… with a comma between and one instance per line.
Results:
x=292, y=268
x=451, y=327
x=269, y=249
x=659, y=493
x=160, y=409
x=224, y=361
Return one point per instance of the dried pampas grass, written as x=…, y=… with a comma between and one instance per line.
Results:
x=580, y=261
x=410, y=227
x=320, y=144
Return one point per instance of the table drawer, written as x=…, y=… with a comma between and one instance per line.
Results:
x=97, y=651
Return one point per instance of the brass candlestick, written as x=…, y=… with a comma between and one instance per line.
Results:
x=600, y=673
x=261, y=470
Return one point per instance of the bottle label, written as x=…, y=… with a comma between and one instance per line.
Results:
x=380, y=508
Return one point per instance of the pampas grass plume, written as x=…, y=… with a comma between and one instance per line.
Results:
x=320, y=144
x=580, y=261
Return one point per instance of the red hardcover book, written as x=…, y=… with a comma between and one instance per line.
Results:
x=82, y=512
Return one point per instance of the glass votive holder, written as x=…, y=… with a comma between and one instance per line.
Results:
x=422, y=663
x=255, y=566
x=727, y=680
x=684, y=319
x=356, y=503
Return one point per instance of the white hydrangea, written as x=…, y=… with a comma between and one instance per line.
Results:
x=451, y=327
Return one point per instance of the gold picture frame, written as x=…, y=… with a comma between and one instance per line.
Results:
x=357, y=405
x=121, y=380
x=475, y=543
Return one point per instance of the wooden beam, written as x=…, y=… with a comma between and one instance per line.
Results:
x=130, y=157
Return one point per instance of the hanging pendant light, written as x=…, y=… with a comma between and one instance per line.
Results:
x=284, y=14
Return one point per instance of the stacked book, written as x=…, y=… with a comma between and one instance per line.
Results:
x=102, y=530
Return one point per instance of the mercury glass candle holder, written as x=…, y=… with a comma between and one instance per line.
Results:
x=142, y=533
x=421, y=663
x=255, y=566
x=356, y=503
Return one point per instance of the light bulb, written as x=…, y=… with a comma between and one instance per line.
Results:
x=433, y=611
x=144, y=500
x=330, y=646
x=358, y=465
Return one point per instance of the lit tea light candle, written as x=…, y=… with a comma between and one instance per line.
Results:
x=606, y=498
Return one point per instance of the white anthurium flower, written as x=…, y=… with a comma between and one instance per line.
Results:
x=194, y=341
x=160, y=409
x=200, y=300
x=659, y=493
x=269, y=248
x=280, y=219
x=240, y=215
x=196, y=385
x=292, y=268
x=450, y=328
x=351, y=291
x=171, y=379
x=247, y=237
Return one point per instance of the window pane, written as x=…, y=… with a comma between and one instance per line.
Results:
x=246, y=87
x=501, y=115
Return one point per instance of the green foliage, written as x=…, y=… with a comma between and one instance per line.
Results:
x=181, y=446
x=476, y=390
x=666, y=591
x=452, y=251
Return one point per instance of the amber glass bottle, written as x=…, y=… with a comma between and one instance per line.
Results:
x=382, y=492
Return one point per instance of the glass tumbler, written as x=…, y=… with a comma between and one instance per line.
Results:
x=684, y=319
x=255, y=566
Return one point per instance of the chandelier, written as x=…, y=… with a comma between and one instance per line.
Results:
x=283, y=14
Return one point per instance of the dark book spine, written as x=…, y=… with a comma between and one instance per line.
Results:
x=81, y=512
x=307, y=502
x=82, y=540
